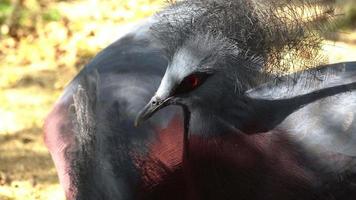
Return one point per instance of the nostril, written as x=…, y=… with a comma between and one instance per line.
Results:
x=155, y=103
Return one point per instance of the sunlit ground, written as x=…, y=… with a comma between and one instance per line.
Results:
x=34, y=71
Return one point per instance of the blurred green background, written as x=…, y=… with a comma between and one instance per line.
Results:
x=43, y=44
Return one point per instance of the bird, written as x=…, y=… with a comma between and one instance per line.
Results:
x=185, y=107
x=297, y=139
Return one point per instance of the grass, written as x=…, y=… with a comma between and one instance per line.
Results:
x=35, y=69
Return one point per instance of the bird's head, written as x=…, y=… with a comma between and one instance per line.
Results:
x=201, y=74
x=217, y=50
x=214, y=83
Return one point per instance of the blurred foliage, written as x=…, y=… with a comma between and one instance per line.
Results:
x=5, y=10
x=51, y=15
x=351, y=15
x=19, y=17
x=61, y=35
x=348, y=20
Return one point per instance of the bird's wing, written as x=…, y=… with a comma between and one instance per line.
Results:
x=98, y=152
x=317, y=111
x=305, y=82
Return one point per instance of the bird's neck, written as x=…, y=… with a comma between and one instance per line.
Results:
x=216, y=120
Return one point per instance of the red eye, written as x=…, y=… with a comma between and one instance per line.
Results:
x=190, y=82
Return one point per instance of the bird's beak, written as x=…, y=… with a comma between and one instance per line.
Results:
x=152, y=107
